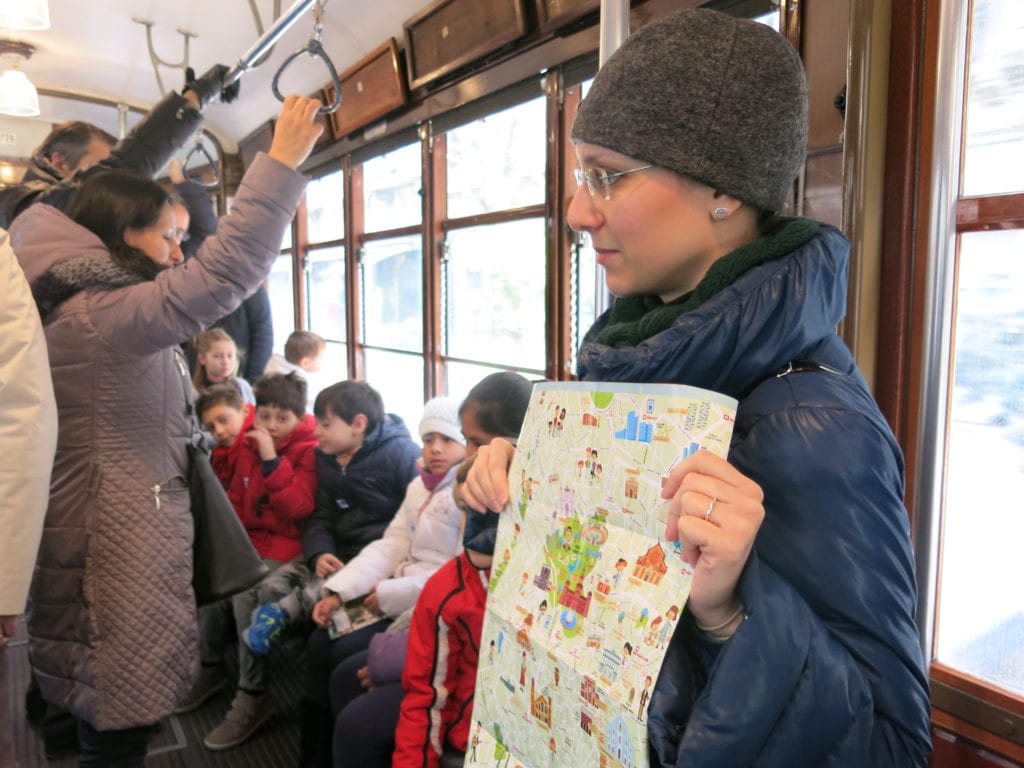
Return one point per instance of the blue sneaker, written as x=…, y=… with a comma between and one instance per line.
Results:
x=268, y=622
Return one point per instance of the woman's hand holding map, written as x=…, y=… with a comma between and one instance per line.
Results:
x=715, y=512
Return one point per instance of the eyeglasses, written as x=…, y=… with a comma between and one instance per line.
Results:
x=176, y=236
x=599, y=180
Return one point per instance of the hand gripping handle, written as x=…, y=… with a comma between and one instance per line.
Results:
x=316, y=50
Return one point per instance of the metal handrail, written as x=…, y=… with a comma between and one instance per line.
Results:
x=253, y=56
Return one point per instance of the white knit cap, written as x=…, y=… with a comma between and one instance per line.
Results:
x=441, y=415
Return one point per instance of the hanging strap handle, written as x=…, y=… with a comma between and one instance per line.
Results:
x=316, y=50
x=203, y=152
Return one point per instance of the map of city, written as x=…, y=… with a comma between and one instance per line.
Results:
x=586, y=592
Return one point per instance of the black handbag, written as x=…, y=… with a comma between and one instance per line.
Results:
x=224, y=561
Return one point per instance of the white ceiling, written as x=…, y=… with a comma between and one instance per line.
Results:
x=95, y=48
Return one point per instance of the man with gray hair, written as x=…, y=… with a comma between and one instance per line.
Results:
x=75, y=149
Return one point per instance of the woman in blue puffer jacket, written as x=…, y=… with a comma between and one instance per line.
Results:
x=798, y=645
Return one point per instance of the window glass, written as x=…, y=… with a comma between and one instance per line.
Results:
x=392, y=298
x=325, y=211
x=981, y=624
x=391, y=190
x=494, y=294
x=282, y=300
x=399, y=379
x=498, y=162
x=994, y=120
x=462, y=377
x=333, y=366
x=325, y=292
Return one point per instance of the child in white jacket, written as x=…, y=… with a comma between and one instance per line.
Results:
x=424, y=535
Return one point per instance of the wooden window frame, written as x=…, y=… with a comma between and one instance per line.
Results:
x=967, y=707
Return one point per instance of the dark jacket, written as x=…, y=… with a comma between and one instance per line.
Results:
x=251, y=324
x=113, y=631
x=146, y=150
x=355, y=503
x=252, y=328
x=827, y=668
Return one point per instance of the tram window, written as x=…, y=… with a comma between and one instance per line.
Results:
x=325, y=198
x=392, y=184
x=995, y=101
x=497, y=163
x=462, y=377
x=979, y=615
x=392, y=314
x=325, y=306
x=399, y=379
x=392, y=298
x=494, y=294
x=981, y=627
x=282, y=300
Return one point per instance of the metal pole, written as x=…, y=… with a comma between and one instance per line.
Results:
x=267, y=40
x=614, y=27
x=122, y=120
x=614, y=30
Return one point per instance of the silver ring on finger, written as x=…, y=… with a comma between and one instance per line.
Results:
x=709, y=510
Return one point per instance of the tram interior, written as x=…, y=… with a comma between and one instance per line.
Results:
x=432, y=246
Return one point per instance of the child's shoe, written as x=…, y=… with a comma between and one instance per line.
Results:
x=248, y=712
x=268, y=622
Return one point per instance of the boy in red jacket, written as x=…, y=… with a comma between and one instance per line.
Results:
x=272, y=488
x=224, y=414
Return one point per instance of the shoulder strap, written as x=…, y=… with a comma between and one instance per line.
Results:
x=803, y=366
x=795, y=366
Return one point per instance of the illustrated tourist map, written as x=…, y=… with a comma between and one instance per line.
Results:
x=585, y=591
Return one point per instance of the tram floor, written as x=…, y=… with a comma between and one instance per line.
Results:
x=179, y=744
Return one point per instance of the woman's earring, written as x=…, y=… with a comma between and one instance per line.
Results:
x=721, y=213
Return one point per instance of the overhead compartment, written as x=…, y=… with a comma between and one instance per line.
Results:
x=450, y=34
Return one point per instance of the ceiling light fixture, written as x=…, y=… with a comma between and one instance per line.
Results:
x=24, y=14
x=18, y=97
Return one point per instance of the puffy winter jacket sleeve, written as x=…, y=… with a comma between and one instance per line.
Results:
x=317, y=538
x=153, y=315
x=202, y=221
x=146, y=150
x=429, y=677
x=379, y=559
x=828, y=661
x=438, y=538
x=28, y=429
x=291, y=486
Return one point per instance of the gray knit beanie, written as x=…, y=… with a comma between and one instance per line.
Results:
x=717, y=98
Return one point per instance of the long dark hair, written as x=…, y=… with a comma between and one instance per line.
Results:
x=110, y=202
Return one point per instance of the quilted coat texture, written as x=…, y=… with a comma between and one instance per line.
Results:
x=827, y=668
x=113, y=631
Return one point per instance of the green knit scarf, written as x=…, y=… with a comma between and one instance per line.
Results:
x=635, y=318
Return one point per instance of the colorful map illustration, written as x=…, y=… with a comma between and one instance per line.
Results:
x=586, y=591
